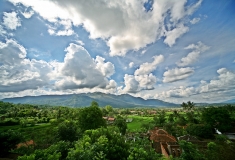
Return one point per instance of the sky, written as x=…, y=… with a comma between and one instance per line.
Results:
x=171, y=50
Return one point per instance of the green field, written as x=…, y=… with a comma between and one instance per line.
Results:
x=137, y=122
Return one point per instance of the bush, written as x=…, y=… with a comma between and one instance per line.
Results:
x=10, y=122
x=200, y=130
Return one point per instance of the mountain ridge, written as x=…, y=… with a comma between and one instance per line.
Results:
x=84, y=99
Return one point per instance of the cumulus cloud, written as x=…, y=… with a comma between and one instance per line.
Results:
x=19, y=73
x=79, y=70
x=11, y=21
x=123, y=25
x=131, y=64
x=225, y=82
x=193, y=56
x=131, y=85
x=177, y=74
x=178, y=92
x=195, y=20
x=27, y=14
x=213, y=90
x=142, y=79
x=55, y=28
x=107, y=69
x=147, y=68
x=172, y=35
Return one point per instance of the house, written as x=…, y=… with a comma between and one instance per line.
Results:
x=164, y=143
x=111, y=120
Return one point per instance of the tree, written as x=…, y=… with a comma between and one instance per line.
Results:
x=200, y=130
x=160, y=118
x=68, y=131
x=121, y=124
x=100, y=144
x=188, y=106
x=109, y=108
x=190, y=151
x=8, y=141
x=218, y=118
x=91, y=117
x=141, y=150
x=57, y=151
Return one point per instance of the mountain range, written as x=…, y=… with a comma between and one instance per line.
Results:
x=85, y=99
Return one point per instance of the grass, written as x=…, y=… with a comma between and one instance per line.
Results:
x=137, y=122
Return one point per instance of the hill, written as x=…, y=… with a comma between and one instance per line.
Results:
x=81, y=100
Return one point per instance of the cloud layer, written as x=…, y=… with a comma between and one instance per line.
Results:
x=128, y=26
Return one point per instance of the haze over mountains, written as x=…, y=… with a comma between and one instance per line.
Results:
x=81, y=100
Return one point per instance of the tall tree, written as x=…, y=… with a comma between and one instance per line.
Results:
x=218, y=118
x=121, y=124
x=91, y=117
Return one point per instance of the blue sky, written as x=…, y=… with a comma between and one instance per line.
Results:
x=174, y=51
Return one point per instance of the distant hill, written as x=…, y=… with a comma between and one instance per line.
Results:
x=82, y=100
x=231, y=101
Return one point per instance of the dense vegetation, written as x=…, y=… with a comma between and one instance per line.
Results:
x=58, y=133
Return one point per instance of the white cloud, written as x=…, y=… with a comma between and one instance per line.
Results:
x=131, y=85
x=146, y=82
x=65, y=24
x=147, y=68
x=131, y=64
x=225, y=82
x=198, y=47
x=172, y=35
x=143, y=52
x=142, y=79
x=107, y=69
x=27, y=14
x=193, y=56
x=177, y=74
x=195, y=20
x=19, y=73
x=178, y=92
x=124, y=25
x=79, y=70
x=10, y=20
x=216, y=90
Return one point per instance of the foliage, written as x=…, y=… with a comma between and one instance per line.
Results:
x=68, y=131
x=57, y=151
x=141, y=150
x=190, y=151
x=121, y=124
x=91, y=117
x=200, y=130
x=220, y=150
x=99, y=144
x=9, y=140
x=160, y=118
x=188, y=106
x=218, y=118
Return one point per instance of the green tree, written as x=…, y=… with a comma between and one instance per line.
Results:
x=57, y=151
x=120, y=122
x=188, y=106
x=91, y=117
x=160, y=118
x=190, y=151
x=8, y=141
x=100, y=144
x=200, y=130
x=217, y=118
x=68, y=131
